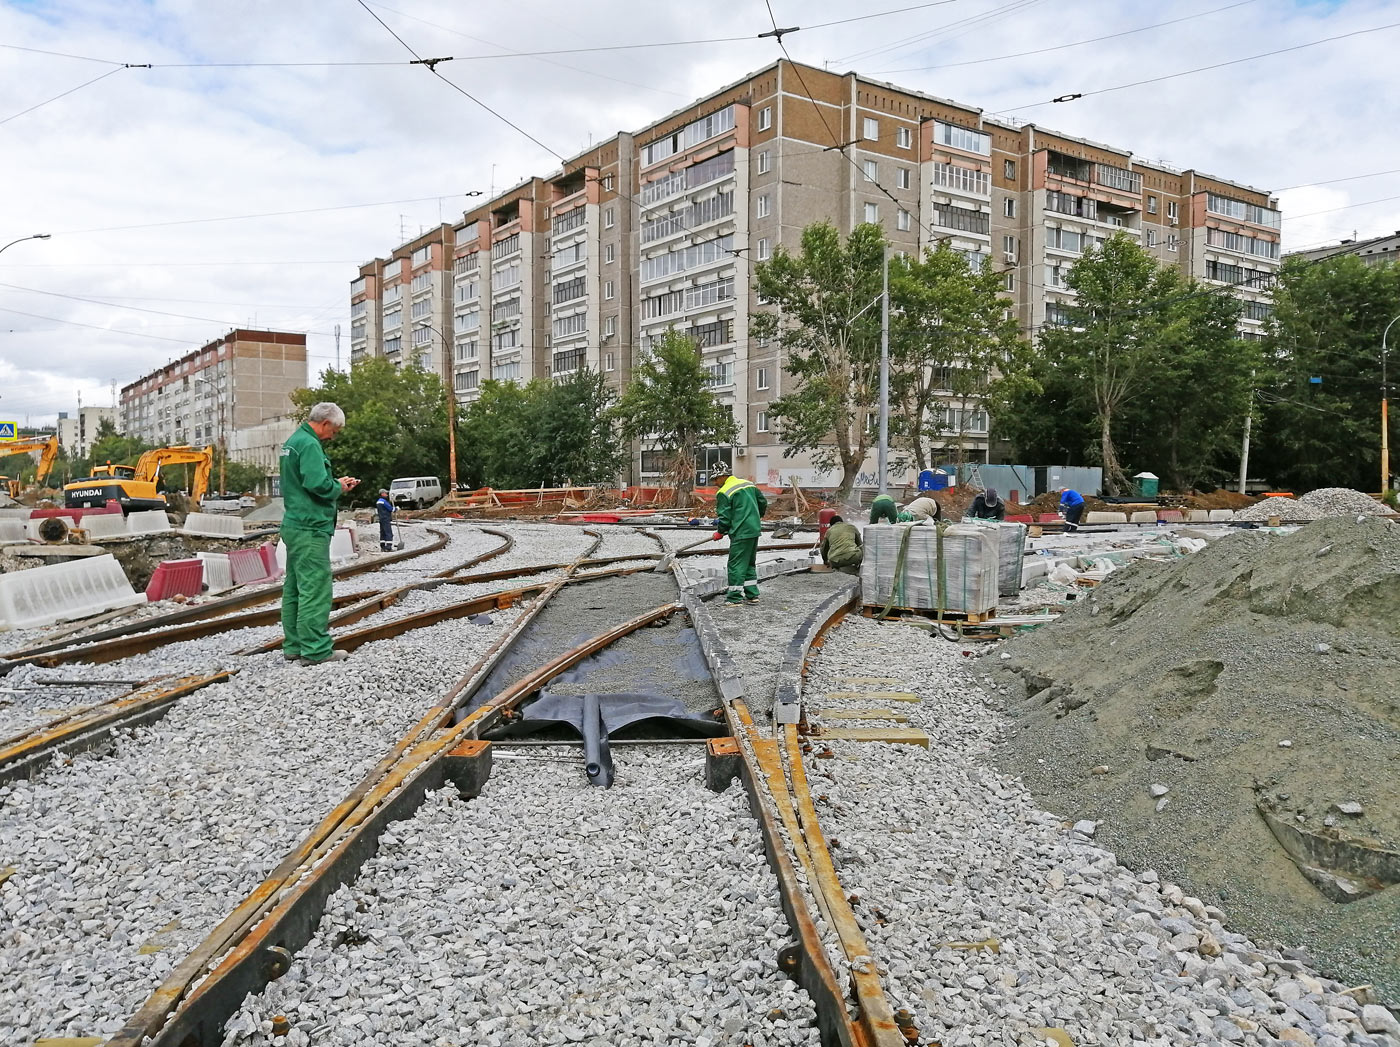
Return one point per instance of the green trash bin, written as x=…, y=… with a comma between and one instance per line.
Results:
x=1145, y=485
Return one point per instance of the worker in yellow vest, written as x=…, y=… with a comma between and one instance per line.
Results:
x=740, y=506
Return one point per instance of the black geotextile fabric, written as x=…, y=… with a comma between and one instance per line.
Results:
x=618, y=711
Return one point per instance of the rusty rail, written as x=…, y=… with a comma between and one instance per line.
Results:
x=490, y=554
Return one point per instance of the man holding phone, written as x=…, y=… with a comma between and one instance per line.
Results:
x=309, y=497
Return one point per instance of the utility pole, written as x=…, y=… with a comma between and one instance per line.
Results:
x=885, y=375
x=1248, y=421
x=1385, y=414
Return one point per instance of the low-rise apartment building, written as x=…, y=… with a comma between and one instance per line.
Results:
x=77, y=433
x=662, y=227
x=1376, y=250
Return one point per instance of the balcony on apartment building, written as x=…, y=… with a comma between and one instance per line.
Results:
x=1116, y=188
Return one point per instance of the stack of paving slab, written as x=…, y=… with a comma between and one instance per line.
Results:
x=971, y=567
x=64, y=592
x=1011, y=553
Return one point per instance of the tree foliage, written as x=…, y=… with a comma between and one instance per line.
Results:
x=827, y=321
x=669, y=405
x=1329, y=316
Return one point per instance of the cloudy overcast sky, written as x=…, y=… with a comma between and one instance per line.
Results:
x=135, y=175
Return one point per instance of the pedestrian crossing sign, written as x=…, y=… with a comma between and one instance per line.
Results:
x=9, y=431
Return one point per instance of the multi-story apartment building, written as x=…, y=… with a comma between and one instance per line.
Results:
x=1376, y=250
x=76, y=434
x=231, y=384
x=662, y=228
x=401, y=307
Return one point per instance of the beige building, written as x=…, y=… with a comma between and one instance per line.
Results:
x=234, y=383
x=661, y=228
x=1374, y=251
x=77, y=434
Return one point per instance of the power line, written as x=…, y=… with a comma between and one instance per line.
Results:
x=1062, y=47
x=135, y=308
x=969, y=22
x=1202, y=69
x=1344, y=207
x=61, y=54
x=65, y=94
x=264, y=214
x=177, y=265
x=1333, y=181
x=94, y=327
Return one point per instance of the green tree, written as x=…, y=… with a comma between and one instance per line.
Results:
x=1327, y=325
x=668, y=404
x=825, y=319
x=395, y=423
x=497, y=427
x=578, y=432
x=951, y=338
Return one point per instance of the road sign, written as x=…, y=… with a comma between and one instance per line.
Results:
x=9, y=431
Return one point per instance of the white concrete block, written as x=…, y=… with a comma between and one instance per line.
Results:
x=151, y=521
x=13, y=530
x=1221, y=516
x=209, y=525
x=1143, y=516
x=1197, y=516
x=105, y=525
x=1105, y=518
x=64, y=592
x=218, y=572
x=31, y=528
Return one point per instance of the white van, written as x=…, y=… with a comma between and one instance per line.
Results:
x=416, y=492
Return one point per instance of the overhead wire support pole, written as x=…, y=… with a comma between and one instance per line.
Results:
x=1385, y=413
x=884, y=454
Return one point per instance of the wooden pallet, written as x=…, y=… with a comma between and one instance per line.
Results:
x=871, y=610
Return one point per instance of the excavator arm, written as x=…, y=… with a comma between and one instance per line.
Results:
x=48, y=449
x=150, y=464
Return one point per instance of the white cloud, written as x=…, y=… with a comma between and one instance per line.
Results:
x=161, y=145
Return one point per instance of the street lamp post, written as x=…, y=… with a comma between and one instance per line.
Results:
x=32, y=236
x=451, y=408
x=1385, y=420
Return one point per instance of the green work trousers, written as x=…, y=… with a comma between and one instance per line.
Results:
x=883, y=508
x=306, y=595
x=743, y=574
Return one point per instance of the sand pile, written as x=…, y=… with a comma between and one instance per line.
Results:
x=1260, y=676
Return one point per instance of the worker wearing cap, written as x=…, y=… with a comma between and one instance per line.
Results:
x=884, y=508
x=740, y=506
x=385, y=509
x=309, y=498
x=987, y=506
x=1071, y=506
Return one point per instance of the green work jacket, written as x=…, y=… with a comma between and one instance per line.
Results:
x=841, y=545
x=740, y=505
x=309, y=491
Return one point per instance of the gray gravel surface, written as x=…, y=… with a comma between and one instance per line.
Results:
x=125, y=859
x=625, y=541
x=937, y=847
x=548, y=911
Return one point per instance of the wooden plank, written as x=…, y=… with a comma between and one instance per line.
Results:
x=867, y=679
x=897, y=735
x=872, y=696
x=862, y=714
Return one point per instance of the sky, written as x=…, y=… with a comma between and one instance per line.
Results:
x=145, y=178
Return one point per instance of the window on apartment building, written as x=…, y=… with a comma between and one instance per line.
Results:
x=764, y=162
x=761, y=422
x=1008, y=169
x=609, y=290
x=872, y=212
x=1151, y=237
x=609, y=218
x=422, y=254
x=1172, y=243
x=607, y=183
x=902, y=177
x=1009, y=281
x=903, y=220
x=762, y=248
x=1009, y=247
x=904, y=138
x=1009, y=207
x=609, y=326
x=765, y=118
x=609, y=362
x=1151, y=204
x=872, y=170
x=871, y=130
x=762, y=206
x=761, y=379
x=1171, y=210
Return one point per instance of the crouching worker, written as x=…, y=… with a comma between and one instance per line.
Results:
x=385, y=509
x=923, y=510
x=1071, y=507
x=987, y=506
x=740, y=506
x=841, y=547
x=884, y=508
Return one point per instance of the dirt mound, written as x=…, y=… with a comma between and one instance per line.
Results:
x=1255, y=677
x=1218, y=499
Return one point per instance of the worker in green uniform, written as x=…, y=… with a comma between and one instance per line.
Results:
x=309, y=497
x=840, y=547
x=884, y=508
x=740, y=506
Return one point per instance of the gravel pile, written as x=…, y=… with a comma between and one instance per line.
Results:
x=548, y=911
x=126, y=859
x=993, y=921
x=1259, y=670
x=1343, y=501
x=1287, y=509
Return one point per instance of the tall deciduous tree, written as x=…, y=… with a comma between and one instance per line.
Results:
x=951, y=338
x=827, y=320
x=668, y=404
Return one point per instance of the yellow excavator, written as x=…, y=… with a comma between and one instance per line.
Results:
x=48, y=449
x=134, y=486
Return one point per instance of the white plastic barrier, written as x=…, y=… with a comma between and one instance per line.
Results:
x=342, y=545
x=1143, y=516
x=150, y=521
x=105, y=525
x=13, y=530
x=64, y=592
x=1197, y=515
x=218, y=572
x=1221, y=516
x=1106, y=518
x=208, y=525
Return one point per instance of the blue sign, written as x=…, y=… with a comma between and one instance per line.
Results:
x=1314, y=381
x=9, y=431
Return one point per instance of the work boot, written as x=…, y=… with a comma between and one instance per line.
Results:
x=334, y=656
x=288, y=656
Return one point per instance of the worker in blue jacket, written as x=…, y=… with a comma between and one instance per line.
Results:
x=385, y=509
x=1071, y=506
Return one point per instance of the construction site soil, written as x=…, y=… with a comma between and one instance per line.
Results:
x=1258, y=674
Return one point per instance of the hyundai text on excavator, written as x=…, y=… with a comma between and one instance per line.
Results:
x=134, y=487
x=49, y=454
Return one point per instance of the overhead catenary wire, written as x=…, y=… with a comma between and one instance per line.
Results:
x=65, y=94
